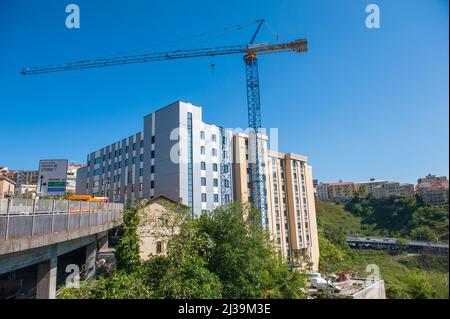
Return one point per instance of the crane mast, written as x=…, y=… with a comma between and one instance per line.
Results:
x=251, y=51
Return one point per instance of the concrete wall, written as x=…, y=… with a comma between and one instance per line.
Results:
x=374, y=291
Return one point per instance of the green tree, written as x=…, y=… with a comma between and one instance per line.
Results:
x=423, y=233
x=118, y=285
x=419, y=287
x=128, y=247
x=244, y=257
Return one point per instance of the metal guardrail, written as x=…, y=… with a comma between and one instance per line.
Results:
x=28, y=217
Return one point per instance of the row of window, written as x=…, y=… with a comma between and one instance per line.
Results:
x=203, y=151
x=215, y=198
x=215, y=182
x=118, y=152
x=125, y=188
x=213, y=136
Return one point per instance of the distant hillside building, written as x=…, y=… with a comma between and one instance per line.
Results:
x=345, y=191
x=27, y=177
x=363, y=189
x=390, y=189
x=433, y=190
x=336, y=192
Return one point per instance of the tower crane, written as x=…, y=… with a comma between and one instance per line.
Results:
x=251, y=52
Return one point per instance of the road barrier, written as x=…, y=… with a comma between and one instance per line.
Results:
x=29, y=217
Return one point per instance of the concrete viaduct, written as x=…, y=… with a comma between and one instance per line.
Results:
x=39, y=238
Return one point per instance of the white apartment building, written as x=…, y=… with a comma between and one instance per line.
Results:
x=176, y=155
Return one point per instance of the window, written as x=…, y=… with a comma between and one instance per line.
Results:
x=141, y=158
x=202, y=135
x=203, y=181
x=141, y=172
x=215, y=182
x=109, y=168
x=132, y=188
x=126, y=162
x=115, y=153
x=203, y=197
x=159, y=247
x=103, y=158
x=133, y=160
x=142, y=143
x=120, y=152
x=153, y=139
x=202, y=150
x=215, y=167
x=152, y=184
x=152, y=169
x=202, y=166
x=119, y=164
x=96, y=172
x=152, y=154
x=141, y=187
x=227, y=198
x=213, y=137
x=216, y=198
x=126, y=149
x=125, y=189
x=97, y=160
x=225, y=168
x=134, y=146
x=214, y=152
x=226, y=183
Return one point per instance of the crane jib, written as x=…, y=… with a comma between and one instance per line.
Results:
x=293, y=46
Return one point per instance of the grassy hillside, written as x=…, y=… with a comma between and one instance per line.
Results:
x=405, y=276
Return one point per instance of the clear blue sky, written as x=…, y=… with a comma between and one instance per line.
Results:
x=361, y=103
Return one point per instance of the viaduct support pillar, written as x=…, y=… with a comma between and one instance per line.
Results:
x=91, y=258
x=46, y=277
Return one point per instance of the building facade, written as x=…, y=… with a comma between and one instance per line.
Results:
x=176, y=155
x=390, y=189
x=433, y=190
x=336, y=192
x=290, y=199
x=342, y=192
x=72, y=177
x=7, y=187
x=27, y=177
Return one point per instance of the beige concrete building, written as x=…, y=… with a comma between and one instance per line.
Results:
x=7, y=187
x=158, y=223
x=290, y=200
x=340, y=192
